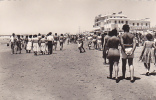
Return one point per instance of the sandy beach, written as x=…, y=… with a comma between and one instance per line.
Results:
x=70, y=75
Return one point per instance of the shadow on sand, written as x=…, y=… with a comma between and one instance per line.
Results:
x=127, y=78
x=152, y=73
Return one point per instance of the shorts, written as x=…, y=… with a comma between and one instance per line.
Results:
x=125, y=56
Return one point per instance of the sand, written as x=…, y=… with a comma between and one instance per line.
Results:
x=69, y=75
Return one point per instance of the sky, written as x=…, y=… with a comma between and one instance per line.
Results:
x=66, y=16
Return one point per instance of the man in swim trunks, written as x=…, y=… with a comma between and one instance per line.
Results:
x=128, y=45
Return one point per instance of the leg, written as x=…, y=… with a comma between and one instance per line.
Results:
x=123, y=67
x=51, y=48
x=116, y=69
x=110, y=68
x=130, y=62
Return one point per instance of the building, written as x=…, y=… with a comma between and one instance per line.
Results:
x=117, y=20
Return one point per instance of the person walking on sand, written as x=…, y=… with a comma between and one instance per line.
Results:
x=29, y=44
x=61, y=41
x=147, y=55
x=12, y=42
x=55, y=40
x=43, y=45
x=50, y=40
x=113, y=54
x=35, y=42
x=95, y=40
x=80, y=44
x=128, y=45
x=25, y=43
x=99, y=37
x=89, y=41
x=18, y=45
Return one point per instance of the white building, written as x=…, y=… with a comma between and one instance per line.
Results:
x=111, y=21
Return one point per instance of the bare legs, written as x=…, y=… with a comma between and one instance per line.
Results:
x=115, y=64
x=147, y=65
x=131, y=67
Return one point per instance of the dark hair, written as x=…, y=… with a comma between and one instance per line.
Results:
x=18, y=36
x=94, y=33
x=149, y=36
x=30, y=36
x=39, y=34
x=42, y=36
x=35, y=35
x=50, y=33
x=80, y=36
x=61, y=34
x=99, y=34
x=110, y=33
x=126, y=28
x=55, y=33
x=13, y=34
x=114, y=32
x=26, y=36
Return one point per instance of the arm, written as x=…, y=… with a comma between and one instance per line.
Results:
x=104, y=43
x=154, y=45
x=143, y=51
x=122, y=44
x=134, y=46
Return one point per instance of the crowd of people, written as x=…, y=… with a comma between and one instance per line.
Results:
x=39, y=44
x=107, y=42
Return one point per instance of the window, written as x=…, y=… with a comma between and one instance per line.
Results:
x=115, y=22
x=126, y=22
x=133, y=24
x=120, y=17
x=137, y=24
x=122, y=22
x=146, y=24
x=119, y=22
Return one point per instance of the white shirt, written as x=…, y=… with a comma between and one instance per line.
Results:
x=50, y=38
x=12, y=39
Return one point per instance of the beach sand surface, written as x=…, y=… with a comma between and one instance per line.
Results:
x=70, y=75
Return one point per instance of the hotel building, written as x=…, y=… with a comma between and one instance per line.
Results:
x=111, y=21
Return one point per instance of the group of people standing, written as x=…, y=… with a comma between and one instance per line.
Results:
x=37, y=43
x=127, y=41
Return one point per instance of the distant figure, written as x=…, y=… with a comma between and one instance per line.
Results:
x=80, y=44
x=36, y=47
x=105, y=48
x=61, y=38
x=29, y=45
x=43, y=45
x=39, y=41
x=147, y=55
x=99, y=37
x=50, y=40
x=89, y=38
x=12, y=42
x=95, y=40
x=113, y=54
x=25, y=43
x=128, y=45
x=68, y=39
x=22, y=42
x=18, y=45
x=102, y=39
x=55, y=40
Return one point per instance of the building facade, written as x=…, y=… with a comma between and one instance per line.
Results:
x=111, y=21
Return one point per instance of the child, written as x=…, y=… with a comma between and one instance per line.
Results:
x=147, y=55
